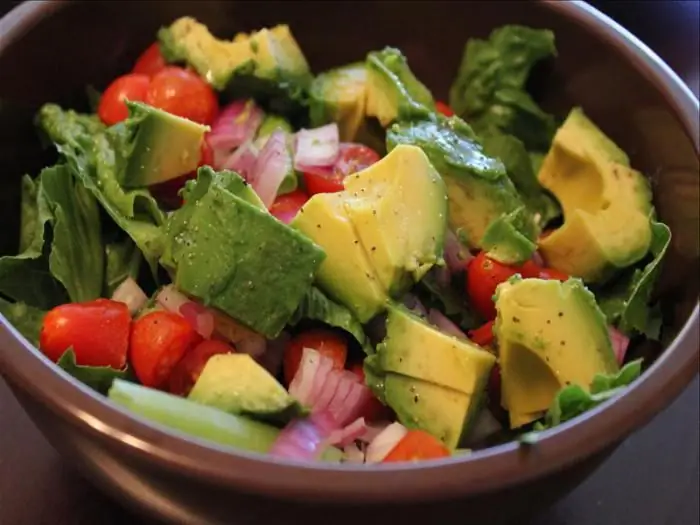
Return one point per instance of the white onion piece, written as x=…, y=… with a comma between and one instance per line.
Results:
x=348, y=434
x=373, y=430
x=439, y=320
x=620, y=343
x=131, y=294
x=353, y=454
x=272, y=165
x=303, y=382
x=385, y=442
x=485, y=426
x=456, y=254
x=242, y=161
x=316, y=147
x=237, y=123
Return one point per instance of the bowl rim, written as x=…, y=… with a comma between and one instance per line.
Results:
x=482, y=471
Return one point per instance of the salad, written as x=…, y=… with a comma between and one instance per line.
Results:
x=336, y=267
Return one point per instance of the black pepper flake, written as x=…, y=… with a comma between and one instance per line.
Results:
x=374, y=212
x=318, y=226
x=546, y=358
x=568, y=383
x=415, y=399
x=562, y=343
x=356, y=242
x=561, y=314
x=301, y=210
x=374, y=248
x=549, y=321
x=516, y=320
x=400, y=359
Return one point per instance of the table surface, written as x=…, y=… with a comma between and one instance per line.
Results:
x=652, y=479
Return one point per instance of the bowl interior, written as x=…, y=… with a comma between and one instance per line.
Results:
x=92, y=43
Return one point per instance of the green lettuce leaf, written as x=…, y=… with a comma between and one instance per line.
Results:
x=123, y=259
x=489, y=91
x=318, y=307
x=96, y=377
x=433, y=294
x=26, y=319
x=96, y=155
x=626, y=302
x=62, y=254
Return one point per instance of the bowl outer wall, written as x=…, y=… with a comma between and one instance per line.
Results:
x=487, y=470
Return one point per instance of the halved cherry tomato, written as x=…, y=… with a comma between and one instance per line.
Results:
x=167, y=192
x=150, y=62
x=288, y=205
x=327, y=342
x=351, y=159
x=98, y=332
x=417, y=445
x=183, y=93
x=444, y=108
x=188, y=369
x=158, y=341
x=483, y=336
x=484, y=275
x=373, y=410
x=132, y=87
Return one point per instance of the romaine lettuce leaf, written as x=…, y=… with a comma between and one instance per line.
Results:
x=489, y=91
x=26, y=319
x=316, y=306
x=123, y=259
x=97, y=377
x=62, y=254
x=626, y=302
x=96, y=154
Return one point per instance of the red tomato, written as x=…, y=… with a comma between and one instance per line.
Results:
x=183, y=93
x=167, y=192
x=483, y=276
x=483, y=336
x=444, y=109
x=415, y=446
x=327, y=342
x=97, y=330
x=188, y=369
x=374, y=410
x=288, y=205
x=150, y=62
x=351, y=159
x=158, y=341
x=112, y=108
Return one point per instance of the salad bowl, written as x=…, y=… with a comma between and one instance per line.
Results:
x=50, y=51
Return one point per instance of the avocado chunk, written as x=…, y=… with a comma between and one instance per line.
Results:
x=163, y=146
x=266, y=62
x=270, y=124
x=236, y=384
x=478, y=186
x=192, y=418
x=236, y=257
x=384, y=231
x=339, y=95
x=432, y=380
x=504, y=240
x=550, y=334
x=606, y=203
x=399, y=209
x=393, y=91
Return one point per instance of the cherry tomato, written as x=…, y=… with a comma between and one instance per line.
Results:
x=158, y=341
x=327, y=342
x=483, y=276
x=112, y=108
x=288, y=205
x=183, y=93
x=483, y=336
x=374, y=410
x=415, y=446
x=150, y=62
x=188, y=369
x=444, y=109
x=167, y=192
x=98, y=332
x=351, y=159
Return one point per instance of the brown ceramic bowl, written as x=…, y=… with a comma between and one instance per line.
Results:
x=50, y=51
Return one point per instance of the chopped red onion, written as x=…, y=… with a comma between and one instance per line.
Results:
x=316, y=147
x=456, y=254
x=271, y=167
x=329, y=389
x=620, y=342
x=303, y=382
x=244, y=339
x=385, y=442
x=348, y=434
x=443, y=275
x=325, y=367
x=131, y=294
x=237, y=123
x=199, y=317
x=412, y=302
x=439, y=320
x=537, y=259
x=242, y=161
x=300, y=439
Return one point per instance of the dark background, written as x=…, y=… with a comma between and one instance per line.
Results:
x=652, y=479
